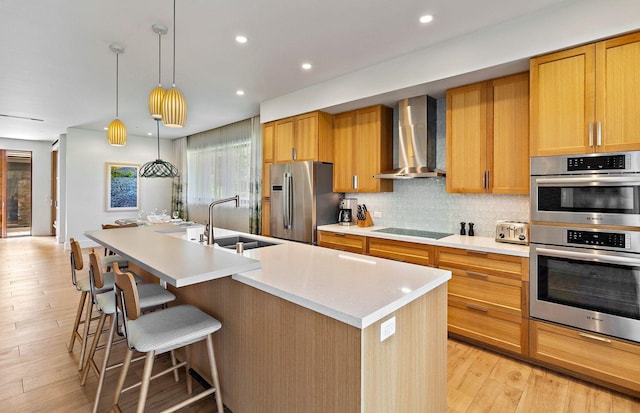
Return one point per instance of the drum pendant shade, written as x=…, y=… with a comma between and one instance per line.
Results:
x=174, y=105
x=117, y=132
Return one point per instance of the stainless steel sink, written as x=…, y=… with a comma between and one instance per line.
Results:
x=248, y=242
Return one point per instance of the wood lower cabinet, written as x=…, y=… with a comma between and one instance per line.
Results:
x=410, y=252
x=343, y=242
x=590, y=355
x=488, y=297
x=266, y=217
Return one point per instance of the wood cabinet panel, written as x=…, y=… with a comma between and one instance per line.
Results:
x=306, y=137
x=266, y=179
x=485, y=325
x=488, y=297
x=496, y=293
x=585, y=99
x=466, y=138
x=484, y=262
x=618, y=93
x=402, y=251
x=266, y=217
x=268, y=134
x=590, y=354
x=283, y=140
x=342, y=242
x=363, y=141
x=344, y=157
x=508, y=137
x=488, y=136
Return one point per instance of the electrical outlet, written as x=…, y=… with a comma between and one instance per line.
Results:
x=387, y=328
x=377, y=214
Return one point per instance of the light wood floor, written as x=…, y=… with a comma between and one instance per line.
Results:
x=37, y=374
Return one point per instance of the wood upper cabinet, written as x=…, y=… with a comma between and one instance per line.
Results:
x=488, y=137
x=306, y=137
x=586, y=99
x=488, y=297
x=363, y=147
x=268, y=133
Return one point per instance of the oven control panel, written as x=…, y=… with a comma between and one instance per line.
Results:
x=601, y=239
x=596, y=163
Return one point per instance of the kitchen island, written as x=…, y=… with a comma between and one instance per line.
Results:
x=304, y=332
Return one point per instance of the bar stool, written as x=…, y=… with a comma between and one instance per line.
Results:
x=159, y=332
x=83, y=285
x=152, y=296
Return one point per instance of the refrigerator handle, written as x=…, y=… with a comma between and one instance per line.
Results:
x=287, y=201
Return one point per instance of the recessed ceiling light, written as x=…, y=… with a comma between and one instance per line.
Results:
x=240, y=92
x=426, y=18
x=105, y=128
x=306, y=66
x=149, y=134
x=241, y=39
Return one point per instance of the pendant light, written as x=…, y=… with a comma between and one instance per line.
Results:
x=174, y=106
x=117, y=132
x=158, y=168
x=156, y=95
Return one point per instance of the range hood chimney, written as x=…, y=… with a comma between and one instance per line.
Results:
x=416, y=140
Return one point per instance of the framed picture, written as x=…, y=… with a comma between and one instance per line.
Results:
x=123, y=186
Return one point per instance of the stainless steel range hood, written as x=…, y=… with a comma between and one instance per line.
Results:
x=416, y=140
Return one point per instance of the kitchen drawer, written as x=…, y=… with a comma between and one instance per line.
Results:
x=589, y=354
x=343, y=242
x=487, y=291
x=402, y=251
x=481, y=323
x=484, y=262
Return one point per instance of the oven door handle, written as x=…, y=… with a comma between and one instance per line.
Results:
x=611, y=259
x=590, y=180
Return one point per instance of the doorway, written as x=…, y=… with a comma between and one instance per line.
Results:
x=15, y=193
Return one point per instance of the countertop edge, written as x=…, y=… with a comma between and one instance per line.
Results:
x=481, y=244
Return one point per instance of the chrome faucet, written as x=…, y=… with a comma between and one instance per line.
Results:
x=209, y=228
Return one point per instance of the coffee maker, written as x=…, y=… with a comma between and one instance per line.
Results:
x=347, y=214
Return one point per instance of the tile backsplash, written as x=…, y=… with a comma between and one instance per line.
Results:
x=424, y=204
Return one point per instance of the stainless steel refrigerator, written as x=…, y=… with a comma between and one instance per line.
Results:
x=302, y=198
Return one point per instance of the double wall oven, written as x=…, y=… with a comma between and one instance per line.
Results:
x=585, y=242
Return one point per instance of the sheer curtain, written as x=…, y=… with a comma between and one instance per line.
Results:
x=179, y=188
x=255, y=195
x=219, y=166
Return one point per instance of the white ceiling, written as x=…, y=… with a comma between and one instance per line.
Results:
x=56, y=64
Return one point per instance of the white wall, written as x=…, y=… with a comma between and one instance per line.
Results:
x=565, y=25
x=41, y=181
x=83, y=170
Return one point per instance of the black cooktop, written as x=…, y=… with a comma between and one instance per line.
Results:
x=413, y=232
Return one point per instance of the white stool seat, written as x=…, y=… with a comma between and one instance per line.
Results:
x=151, y=295
x=108, y=260
x=170, y=328
x=83, y=284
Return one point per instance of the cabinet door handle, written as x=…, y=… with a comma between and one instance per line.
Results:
x=473, y=274
x=478, y=253
x=599, y=134
x=590, y=133
x=596, y=338
x=354, y=181
x=477, y=308
x=294, y=154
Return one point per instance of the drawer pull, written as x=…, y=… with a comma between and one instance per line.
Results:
x=592, y=337
x=477, y=308
x=477, y=275
x=337, y=234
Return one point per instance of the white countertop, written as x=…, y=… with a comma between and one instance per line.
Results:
x=484, y=244
x=171, y=259
x=355, y=289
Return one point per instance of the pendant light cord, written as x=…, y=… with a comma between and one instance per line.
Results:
x=174, y=43
x=158, y=135
x=159, y=59
x=117, y=75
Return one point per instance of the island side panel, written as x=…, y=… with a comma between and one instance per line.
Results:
x=407, y=372
x=276, y=356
